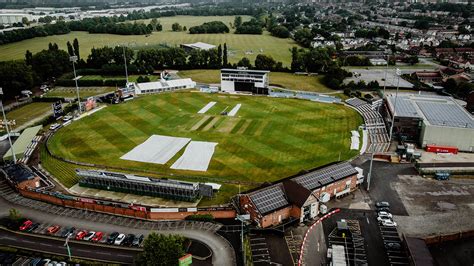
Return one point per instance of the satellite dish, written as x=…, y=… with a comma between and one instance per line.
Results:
x=324, y=197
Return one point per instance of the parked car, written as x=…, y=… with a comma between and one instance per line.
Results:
x=26, y=225
x=97, y=237
x=54, y=126
x=67, y=118
x=128, y=240
x=383, y=218
x=382, y=204
x=68, y=231
x=89, y=236
x=33, y=227
x=81, y=234
x=137, y=241
x=384, y=213
x=388, y=223
x=112, y=237
x=383, y=209
x=53, y=229
x=119, y=240
x=393, y=246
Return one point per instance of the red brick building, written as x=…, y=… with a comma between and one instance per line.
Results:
x=21, y=177
x=298, y=197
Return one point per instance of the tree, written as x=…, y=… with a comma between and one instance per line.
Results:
x=14, y=214
x=264, y=62
x=50, y=63
x=224, y=56
x=237, y=21
x=244, y=62
x=75, y=45
x=28, y=57
x=303, y=37
x=296, y=62
x=280, y=32
x=161, y=250
x=15, y=76
x=219, y=55
x=25, y=21
x=176, y=27
x=70, y=50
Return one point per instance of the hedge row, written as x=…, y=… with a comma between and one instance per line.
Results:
x=91, y=83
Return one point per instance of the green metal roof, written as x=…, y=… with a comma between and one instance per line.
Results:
x=22, y=142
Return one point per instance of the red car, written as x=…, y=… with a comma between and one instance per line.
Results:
x=81, y=234
x=97, y=237
x=27, y=224
x=53, y=229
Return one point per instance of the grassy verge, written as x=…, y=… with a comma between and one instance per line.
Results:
x=28, y=112
x=84, y=92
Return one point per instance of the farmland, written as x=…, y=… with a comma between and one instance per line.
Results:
x=238, y=45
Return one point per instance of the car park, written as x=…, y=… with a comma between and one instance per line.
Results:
x=128, y=240
x=53, y=229
x=382, y=204
x=97, y=237
x=389, y=223
x=81, y=234
x=26, y=225
x=68, y=231
x=33, y=227
x=119, y=240
x=112, y=237
x=89, y=236
x=137, y=241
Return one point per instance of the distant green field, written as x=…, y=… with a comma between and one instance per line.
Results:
x=281, y=79
x=269, y=139
x=238, y=45
x=28, y=112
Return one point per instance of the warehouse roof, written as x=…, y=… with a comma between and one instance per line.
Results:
x=434, y=110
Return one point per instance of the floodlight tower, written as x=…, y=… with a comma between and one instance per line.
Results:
x=5, y=121
x=395, y=104
x=73, y=59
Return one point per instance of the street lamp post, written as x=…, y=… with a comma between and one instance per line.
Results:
x=369, y=175
x=125, y=62
x=395, y=104
x=5, y=121
x=66, y=244
x=385, y=78
x=73, y=59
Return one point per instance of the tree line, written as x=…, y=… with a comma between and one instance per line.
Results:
x=210, y=27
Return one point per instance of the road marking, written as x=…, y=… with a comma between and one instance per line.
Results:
x=367, y=218
x=83, y=250
x=122, y=255
x=44, y=244
x=8, y=238
x=104, y=253
x=28, y=241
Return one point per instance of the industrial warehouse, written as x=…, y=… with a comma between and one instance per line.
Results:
x=431, y=120
x=164, y=188
x=298, y=198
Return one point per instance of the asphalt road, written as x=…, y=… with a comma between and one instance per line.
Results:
x=56, y=246
x=223, y=252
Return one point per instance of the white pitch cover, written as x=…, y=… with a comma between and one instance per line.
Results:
x=156, y=149
x=196, y=156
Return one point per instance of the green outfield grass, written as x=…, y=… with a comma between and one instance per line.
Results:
x=84, y=92
x=269, y=139
x=28, y=112
x=131, y=78
x=281, y=79
x=238, y=45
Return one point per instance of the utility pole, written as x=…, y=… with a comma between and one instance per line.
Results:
x=369, y=175
x=125, y=62
x=385, y=78
x=5, y=121
x=66, y=244
x=395, y=104
x=73, y=59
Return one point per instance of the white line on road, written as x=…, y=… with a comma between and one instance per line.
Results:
x=367, y=218
x=82, y=250
x=123, y=255
x=44, y=244
x=104, y=253
x=28, y=241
